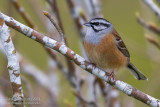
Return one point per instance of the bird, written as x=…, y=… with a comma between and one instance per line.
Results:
x=106, y=49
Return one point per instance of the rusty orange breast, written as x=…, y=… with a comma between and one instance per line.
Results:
x=106, y=55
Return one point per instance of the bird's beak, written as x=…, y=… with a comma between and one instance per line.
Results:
x=87, y=24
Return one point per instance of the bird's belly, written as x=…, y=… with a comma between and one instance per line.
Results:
x=105, y=56
x=98, y=59
x=107, y=60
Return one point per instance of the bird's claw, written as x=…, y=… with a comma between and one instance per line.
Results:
x=110, y=76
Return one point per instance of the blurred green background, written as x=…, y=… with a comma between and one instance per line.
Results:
x=121, y=13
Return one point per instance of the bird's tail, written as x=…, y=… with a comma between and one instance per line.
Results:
x=137, y=74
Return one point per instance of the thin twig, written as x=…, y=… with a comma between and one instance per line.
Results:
x=56, y=26
x=153, y=41
x=22, y=12
x=29, y=93
x=93, y=8
x=41, y=78
x=112, y=97
x=36, y=9
x=71, y=73
x=80, y=61
x=101, y=85
x=78, y=16
x=153, y=7
x=149, y=26
x=83, y=101
x=57, y=61
x=53, y=4
x=71, y=68
x=28, y=87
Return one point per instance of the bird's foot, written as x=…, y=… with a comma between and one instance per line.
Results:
x=110, y=76
x=93, y=65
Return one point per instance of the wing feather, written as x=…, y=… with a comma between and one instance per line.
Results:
x=120, y=44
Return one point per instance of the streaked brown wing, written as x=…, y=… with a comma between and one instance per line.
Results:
x=120, y=44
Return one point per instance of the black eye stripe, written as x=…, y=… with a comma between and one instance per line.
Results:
x=107, y=25
x=96, y=23
x=94, y=29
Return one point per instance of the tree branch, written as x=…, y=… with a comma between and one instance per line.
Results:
x=87, y=66
x=153, y=41
x=55, y=25
x=153, y=7
x=94, y=8
x=41, y=78
x=78, y=17
x=22, y=12
x=55, y=10
x=71, y=72
x=13, y=65
x=149, y=26
x=84, y=101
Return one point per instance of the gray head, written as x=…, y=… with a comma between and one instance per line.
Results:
x=98, y=24
x=97, y=28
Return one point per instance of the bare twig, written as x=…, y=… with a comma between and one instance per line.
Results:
x=56, y=26
x=29, y=93
x=112, y=97
x=84, y=102
x=22, y=12
x=41, y=78
x=94, y=8
x=70, y=74
x=61, y=48
x=13, y=64
x=153, y=41
x=78, y=16
x=36, y=9
x=101, y=85
x=57, y=61
x=153, y=7
x=54, y=6
x=70, y=64
x=38, y=75
x=149, y=26
x=28, y=87
x=71, y=69
x=109, y=93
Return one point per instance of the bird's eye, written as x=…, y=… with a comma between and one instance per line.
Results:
x=96, y=23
